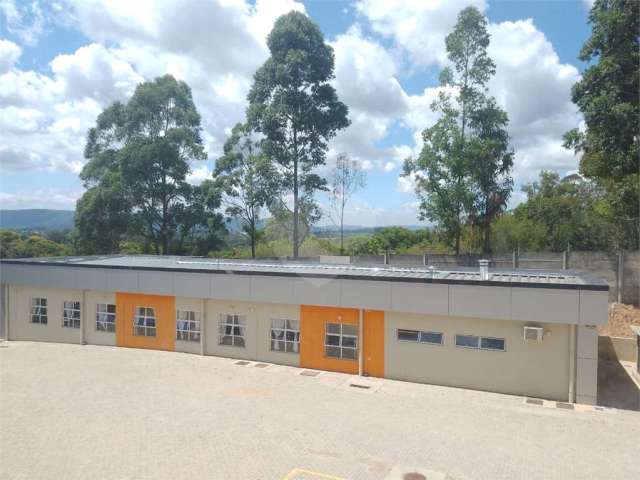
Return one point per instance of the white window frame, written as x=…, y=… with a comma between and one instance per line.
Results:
x=187, y=326
x=228, y=325
x=37, y=305
x=479, y=343
x=286, y=336
x=340, y=346
x=105, y=320
x=71, y=314
x=142, y=313
x=419, y=336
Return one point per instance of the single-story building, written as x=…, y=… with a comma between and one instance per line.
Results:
x=511, y=331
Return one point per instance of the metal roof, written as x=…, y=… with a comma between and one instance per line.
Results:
x=520, y=277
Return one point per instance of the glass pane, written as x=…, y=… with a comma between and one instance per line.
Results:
x=151, y=322
x=140, y=311
x=43, y=320
x=348, y=353
x=195, y=336
x=431, y=337
x=111, y=327
x=333, y=328
x=408, y=335
x=276, y=346
x=332, y=340
x=111, y=309
x=291, y=336
x=492, y=343
x=151, y=332
x=35, y=319
x=349, y=329
x=467, y=341
x=226, y=340
x=240, y=320
x=277, y=334
x=293, y=324
x=349, y=342
x=278, y=323
x=43, y=311
x=332, y=351
x=238, y=341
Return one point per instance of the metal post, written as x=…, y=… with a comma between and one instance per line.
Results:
x=203, y=322
x=386, y=257
x=572, y=363
x=360, y=342
x=425, y=259
x=515, y=260
x=620, y=275
x=565, y=260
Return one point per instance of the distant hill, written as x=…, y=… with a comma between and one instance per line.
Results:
x=36, y=219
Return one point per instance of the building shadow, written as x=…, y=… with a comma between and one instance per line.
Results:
x=616, y=388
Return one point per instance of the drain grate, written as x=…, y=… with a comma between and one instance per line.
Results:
x=413, y=476
x=261, y=365
x=242, y=362
x=566, y=406
x=309, y=373
x=364, y=387
x=534, y=401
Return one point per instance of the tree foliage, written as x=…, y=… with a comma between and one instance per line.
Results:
x=293, y=104
x=462, y=172
x=608, y=95
x=248, y=179
x=139, y=156
x=14, y=245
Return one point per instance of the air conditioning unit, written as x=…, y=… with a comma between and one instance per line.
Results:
x=533, y=334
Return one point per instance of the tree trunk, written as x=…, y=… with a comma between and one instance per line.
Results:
x=253, y=240
x=295, y=194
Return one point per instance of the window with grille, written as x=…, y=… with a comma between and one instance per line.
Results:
x=71, y=314
x=144, y=323
x=187, y=326
x=105, y=317
x=39, y=310
x=285, y=335
x=232, y=330
x=341, y=341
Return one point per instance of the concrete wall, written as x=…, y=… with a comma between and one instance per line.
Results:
x=614, y=349
x=258, y=330
x=21, y=328
x=91, y=335
x=538, y=370
x=602, y=265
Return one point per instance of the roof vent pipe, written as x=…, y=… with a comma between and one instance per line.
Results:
x=484, y=269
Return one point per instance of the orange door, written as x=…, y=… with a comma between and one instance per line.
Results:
x=374, y=343
x=163, y=314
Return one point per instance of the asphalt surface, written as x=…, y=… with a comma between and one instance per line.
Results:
x=90, y=412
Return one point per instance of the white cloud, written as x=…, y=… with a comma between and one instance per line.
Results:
x=9, y=54
x=418, y=26
x=25, y=20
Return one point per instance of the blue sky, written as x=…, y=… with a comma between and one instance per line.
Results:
x=62, y=62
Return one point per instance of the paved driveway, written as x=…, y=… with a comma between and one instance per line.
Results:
x=89, y=412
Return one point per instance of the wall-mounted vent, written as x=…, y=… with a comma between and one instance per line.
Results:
x=533, y=334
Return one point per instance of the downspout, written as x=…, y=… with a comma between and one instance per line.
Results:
x=361, y=341
x=203, y=321
x=572, y=363
x=83, y=319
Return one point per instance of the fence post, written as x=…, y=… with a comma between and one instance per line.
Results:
x=386, y=257
x=565, y=260
x=620, y=275
x=515, y=259
x=425, y=259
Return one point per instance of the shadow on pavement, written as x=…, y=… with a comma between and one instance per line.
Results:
x=616, y=388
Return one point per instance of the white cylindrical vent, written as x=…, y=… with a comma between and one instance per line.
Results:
x=484, y=269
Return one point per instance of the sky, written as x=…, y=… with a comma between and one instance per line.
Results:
x=62, y=62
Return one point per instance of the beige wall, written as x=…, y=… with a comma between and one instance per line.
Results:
x=91, y=335
x=257, y=341
x=538, y=370
x=21, y=328
x=194, y=305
